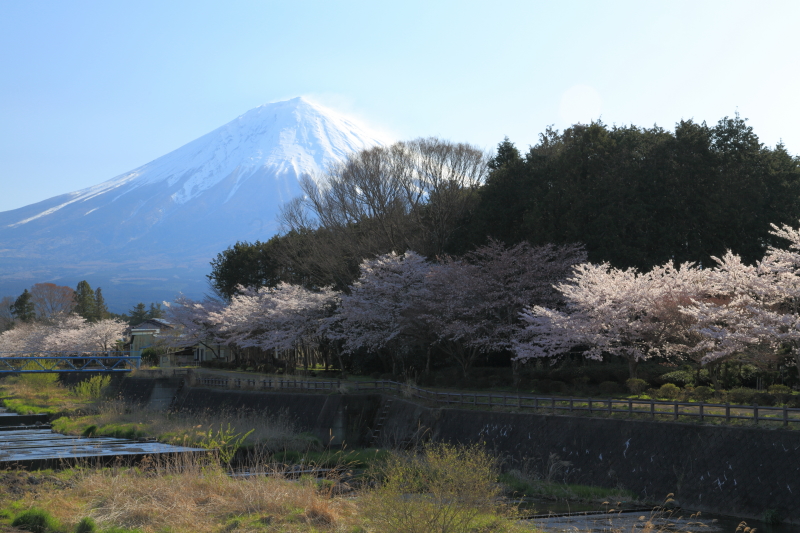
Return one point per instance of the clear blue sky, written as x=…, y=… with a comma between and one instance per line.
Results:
x=89, y=90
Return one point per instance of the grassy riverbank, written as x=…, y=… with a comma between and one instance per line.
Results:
x=397, y=491
x=443, y=489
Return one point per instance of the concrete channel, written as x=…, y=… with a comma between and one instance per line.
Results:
x=28, y=441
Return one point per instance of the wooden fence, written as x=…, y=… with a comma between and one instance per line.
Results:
x=633, y=408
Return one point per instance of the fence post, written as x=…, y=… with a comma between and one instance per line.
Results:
x=505, y=400
x=535, y=404
x=785, y=415
x=519, y=401
x=590, y=407
x=676, y=410
x=630, y=408
x=702, y=411
x=461, y=395
x=727, y=412
x=609, y=408
x=554, y=405
x=570, y=404
x=755, y=413
x=652, y=409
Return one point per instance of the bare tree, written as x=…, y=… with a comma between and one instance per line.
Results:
x=6, y=318
x=410, y=195
x=51, y=300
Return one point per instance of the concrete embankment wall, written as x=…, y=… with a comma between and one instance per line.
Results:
x=738, y=471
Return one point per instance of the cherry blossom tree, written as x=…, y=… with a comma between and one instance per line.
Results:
x=195, y=322
x=778, y=315
x=286, y=317
x=24, y=337
x=476, y=303
x=383, y=311
x=66, y=333
x=612, y=311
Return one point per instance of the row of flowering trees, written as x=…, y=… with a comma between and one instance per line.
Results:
x=537, y=302
x=401, y=304
x=63, y=333
x=706, y=316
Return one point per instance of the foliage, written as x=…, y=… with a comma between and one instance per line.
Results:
x=36, y=521
x=518, y=484
x=702, y=393
x=23, y=309
x=225, y=441
x=85, y=301
x=638, y=197
x=86, y=525
x=244, y=264
x=93, y=388
x=636, y=385
x=444, y=488
x=669, y=391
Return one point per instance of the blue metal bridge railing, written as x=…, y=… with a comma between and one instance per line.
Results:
x=48, y=362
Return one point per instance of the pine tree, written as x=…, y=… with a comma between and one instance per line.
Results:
x=22, y=308
x=155, y=311
x=85, y=303
x=100, y=305
x=138, y=314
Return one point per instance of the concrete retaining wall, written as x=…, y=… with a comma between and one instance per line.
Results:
x=737, y=471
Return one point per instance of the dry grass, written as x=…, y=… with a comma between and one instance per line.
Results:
x=117, y=418
x=187, y=496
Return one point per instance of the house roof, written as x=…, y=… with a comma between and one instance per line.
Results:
x=152, y=324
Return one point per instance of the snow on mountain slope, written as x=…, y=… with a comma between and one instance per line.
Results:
x=182, y=208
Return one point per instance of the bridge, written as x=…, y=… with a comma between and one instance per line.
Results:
x=58, y=362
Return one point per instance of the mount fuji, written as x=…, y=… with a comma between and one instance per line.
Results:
x=149, y=233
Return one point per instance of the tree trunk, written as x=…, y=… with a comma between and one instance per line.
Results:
x=428, y=362
x=633, y=365
x=515, y=373
x=713, y=371
x=797, y=361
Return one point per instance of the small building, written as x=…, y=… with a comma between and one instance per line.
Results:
x=162, y=335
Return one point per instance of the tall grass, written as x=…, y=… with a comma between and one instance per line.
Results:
x=442, y=489
x=93, y=388
x=190, y=495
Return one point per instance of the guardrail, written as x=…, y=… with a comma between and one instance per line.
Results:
x=88, y=362
x=653, y=409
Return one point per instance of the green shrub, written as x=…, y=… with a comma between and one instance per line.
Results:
x=678, y=377
x=636, y=385
x=37, y=381
x=780, y=392
x=668, y=391
x=741, y=396
x=764, y=398
x=36, y=521
x=702, y=393
x=92, y=388
x=150, y=357
x=609, y=387
x=86, y=525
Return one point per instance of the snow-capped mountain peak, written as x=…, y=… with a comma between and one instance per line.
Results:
x=225, y=186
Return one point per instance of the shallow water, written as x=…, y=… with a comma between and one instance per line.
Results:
x=28, y=441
